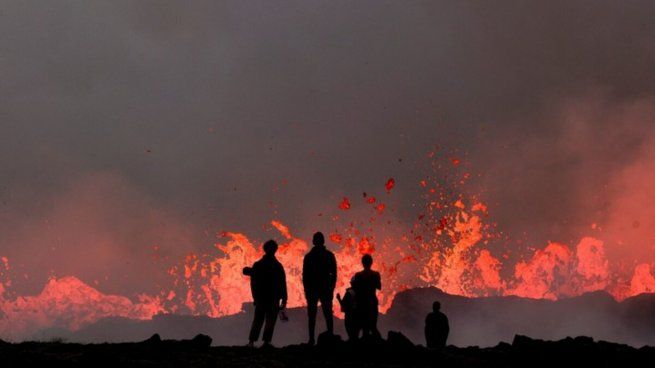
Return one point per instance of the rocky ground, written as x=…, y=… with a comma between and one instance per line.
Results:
x=473, y=321
x=396, y=351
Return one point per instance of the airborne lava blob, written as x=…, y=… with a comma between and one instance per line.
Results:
x=447, y=245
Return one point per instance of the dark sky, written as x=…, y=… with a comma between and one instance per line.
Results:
x=126, y=124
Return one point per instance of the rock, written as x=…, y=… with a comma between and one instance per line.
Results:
x=503, y=346
x=326, y=339
x=154, y=339
x=521, y=341
x=202, y=341
x=569, y=352
x=399, y=341
x=374, y=340
x=583, y=340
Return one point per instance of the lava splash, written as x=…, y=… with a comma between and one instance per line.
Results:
x=447, y=246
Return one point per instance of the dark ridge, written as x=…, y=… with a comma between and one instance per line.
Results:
x=474, y=321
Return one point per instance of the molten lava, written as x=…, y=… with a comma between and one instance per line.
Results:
x=446, y=247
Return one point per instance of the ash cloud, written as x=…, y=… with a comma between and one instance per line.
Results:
x=199, y=110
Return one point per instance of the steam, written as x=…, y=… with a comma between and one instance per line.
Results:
x=589, y=177
x=100, y=229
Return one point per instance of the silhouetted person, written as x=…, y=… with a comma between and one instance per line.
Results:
x=269, y=292
x=319, y=277
x=348, y=307
x=436, y=328
x=366, y=283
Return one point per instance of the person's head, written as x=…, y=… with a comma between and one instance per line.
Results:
x=318, y=239
x=367, y=261
x=270, y=247
x=436, y=306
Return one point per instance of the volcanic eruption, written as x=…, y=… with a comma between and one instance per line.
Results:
x=451, y=243
x=495, y=151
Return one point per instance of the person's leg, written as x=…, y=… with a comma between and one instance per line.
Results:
x=442, y=343
x=429, y=337
x=271, y=318
x=359, y=326
x=363, y=320
x=326, y=306
x=374, y=322
x=311, y=316
x=351, y=326
x=257, y=323
x=369, y=319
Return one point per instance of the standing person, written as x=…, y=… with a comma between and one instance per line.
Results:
x=366, y=283
x=436, y=328
x=319, y=277
x=269, y=292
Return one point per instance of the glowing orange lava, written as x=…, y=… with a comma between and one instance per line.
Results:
x=446, y=247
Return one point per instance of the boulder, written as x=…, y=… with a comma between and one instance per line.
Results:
x=154, y=339
x=399, y=341
x=326, y=339
x=201, y=341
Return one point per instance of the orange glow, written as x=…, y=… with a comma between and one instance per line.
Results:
x=449, y=246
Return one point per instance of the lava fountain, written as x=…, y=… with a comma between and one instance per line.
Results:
x=445, y=245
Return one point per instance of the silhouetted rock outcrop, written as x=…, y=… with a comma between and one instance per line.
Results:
x=201, y=341
x=399, y=341
x=154, y=339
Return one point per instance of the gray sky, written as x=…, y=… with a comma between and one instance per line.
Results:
x=126, y=124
